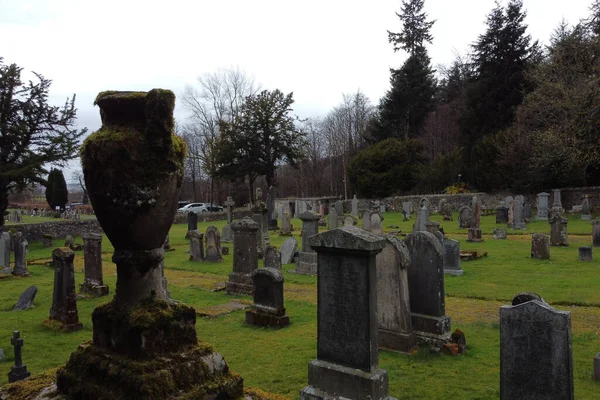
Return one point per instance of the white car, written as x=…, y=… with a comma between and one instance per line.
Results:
x=199, y=208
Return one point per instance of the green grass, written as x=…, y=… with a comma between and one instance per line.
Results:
x=276, y=360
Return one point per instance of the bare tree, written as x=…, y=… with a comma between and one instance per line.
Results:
x=77, y=176
x=218, y=96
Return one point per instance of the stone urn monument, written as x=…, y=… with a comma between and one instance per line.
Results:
x=144, y=347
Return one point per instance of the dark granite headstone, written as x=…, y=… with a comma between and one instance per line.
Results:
x=347, y=358
x=26, y=299
x=452, y=257
x=501, y=215
x=192, y=221
x=585, y=253
x=268, y=309
x=395, y=329
x=597, y=367
x=535, y=352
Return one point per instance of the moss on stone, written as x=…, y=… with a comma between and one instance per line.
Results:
x=29, y=388
x=257, y=394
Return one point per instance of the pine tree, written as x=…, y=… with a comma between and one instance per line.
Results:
x=404, y=108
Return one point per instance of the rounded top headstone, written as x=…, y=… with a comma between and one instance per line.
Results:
x=63, y=252
x=274, y=274
x=92, y=236
x=309, y=216
x=524, y=297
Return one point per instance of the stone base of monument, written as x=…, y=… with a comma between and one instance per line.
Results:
x=90, y=290
x=149, y=352
x=307, y=264
x=239, y=284
x=434, y=331
x=474, y=235
x=55, y=324
x=402, y=342
x=21, y=273
x=454, y=272
x=18, y=373
x=266, y=316
x=329, y=381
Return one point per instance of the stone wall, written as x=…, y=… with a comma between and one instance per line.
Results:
x=238, y=213
x=571, y=197
x=59, y=229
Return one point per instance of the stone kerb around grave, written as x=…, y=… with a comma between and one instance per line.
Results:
x=347, y=360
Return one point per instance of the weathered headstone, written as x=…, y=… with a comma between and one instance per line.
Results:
x=375, y=222
x=422, y=218
x=520, y=198
x=465, y=215
x=339, y=207
x=192, y=221
x=394, y=322
x=268, y=308
x=272, y=258
x=64, y=299
x=271, y=216
x=499, y=233
x=332, y=219
x=536, y=359
x=595, y=233
x=585, y=208
x=5, y=253
x=475, y=228
x=407, y=208
x=426, y=288
x=226, y=234
x=518, y=217
x=559, y=235
x=366, y=220
x=435, y=228
x=354, y=206
x=229, y=204
x=196, y=245
x=452, y=257
x=259, y=213
x=557, y=203
x=307, y=259
x=213, y=244
x=511, y=214
x=540, y=246
x=93, y=283
x=347, y=363
x=350, y=220
x=20, y=252
x=501, y=214
x=18, y=372
x=47, y=240
x=245, y=259
x=287, y=250
x=69, y=242
x=26, y=299
x=445, y=208
x=585, y=253
x=527, y=212
x=286, y=224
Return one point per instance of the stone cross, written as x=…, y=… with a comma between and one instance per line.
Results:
x=229, y=207
x=346, y=302
x=19, y=371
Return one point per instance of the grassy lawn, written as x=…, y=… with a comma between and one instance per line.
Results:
x=276, y=361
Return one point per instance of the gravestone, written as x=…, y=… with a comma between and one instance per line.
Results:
x=540, y=246
x=585, y=208
x=375, y=222
x=366, y=220
x=196, y=245
x=527, y=212
x=499, y=233
x=347, y=364
x=465, y=215
x=213, y=244
x=501, y=215
x=332, y=219
x=394, y=322
x=229, y=204
x=382, y=208
x=268, y=308
x=426, y=288
x=585, y=253
x=452, y=257
x=245, y=259
x=259, y=213
x=536, y=359
x=5, y=253
x=559, y=235
x=446, y=210
x=339, y=208
x=287, y=250
x=64, y=299
x=597, y=367
x=520, y=198
x=407, y=208
x=192, y=221
x=47, y=240
x=18, y=372
x=354, y=206
x=511, y=214
x=518, y=217
x=26, y=299
x=271, y=216
x=307, y=259
x=557, y=203
x=69, y=242
x=350, y=221
x=93, y=283
x=595, y=233
x=20, y=252
x=475, y=228
x=226, y=235
x=422, y=218
x=435, y=228
x=286, y=224
x=272, y=258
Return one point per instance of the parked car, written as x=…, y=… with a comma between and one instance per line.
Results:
x=181, y=204
x=200, y=208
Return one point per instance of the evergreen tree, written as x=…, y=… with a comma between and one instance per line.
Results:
x=502, y=57
x=404, y=108
x=57, y=194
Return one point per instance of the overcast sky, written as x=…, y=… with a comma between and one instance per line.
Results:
x=318, y=49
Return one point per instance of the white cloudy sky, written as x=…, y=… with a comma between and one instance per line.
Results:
x=318, y=49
